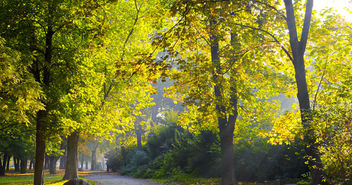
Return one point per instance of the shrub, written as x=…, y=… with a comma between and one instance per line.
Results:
x=337, y=157
x=135, y=160
x=115, y=160
x=171, y=152
x=279, y=161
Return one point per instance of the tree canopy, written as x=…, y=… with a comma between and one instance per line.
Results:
x=241, y=72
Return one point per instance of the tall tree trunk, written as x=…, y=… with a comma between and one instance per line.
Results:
x=63, y=157
x=86, y=164
x=2, y=172
x=311, y=147
x=8, y=163
x=40, y=148
x=42, y=114
x=139, y=136
x=3, y=165
x=81, y=158
x=23, y=165
x=63, y=160
x=72, y=156
x=138, y=130
x=226, y=123
x=30, y=164
x=298, y=49
x=16, y=164
x=226, y=139
x=94, y=157
x=46, y=161
x=52, y=164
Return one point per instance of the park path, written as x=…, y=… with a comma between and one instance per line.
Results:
x=119, y=180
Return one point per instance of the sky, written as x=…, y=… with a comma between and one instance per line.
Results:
x=339, y=5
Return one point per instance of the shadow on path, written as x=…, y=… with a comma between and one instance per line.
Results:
x=103, y=179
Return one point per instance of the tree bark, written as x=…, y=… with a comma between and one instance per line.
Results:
x=63, y=161
x=86, y=164
x=94, y=157
x=226, y=139
x=3, y=164
x=226, y=123
x=23, y=165
x=46, y=162
x=2, y=169
x=16, y=161
x=8, y=163
x=298, y=49
x=71, y=171
x=30, y=164
x=40, y=148
x=63, y=157
x=52, y=164
x=139, y=136
x=42, y=114
x=138, y=131
x=81, y=158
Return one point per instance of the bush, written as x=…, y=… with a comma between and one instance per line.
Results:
x=115, y=160
x=162, y=140
x=337, y=157
x=136, y=161
x=279, y=161
x=172, y=152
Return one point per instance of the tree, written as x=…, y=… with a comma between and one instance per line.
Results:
x=60, y=35
x=53, y=150
x=48, y=34
x=226, y=120
x=19, y=92
x=217, y=69
x=19, y=97
x=15, y=145
x=94, y=155
x=72, y=157
x=119, y=83
x=298, y=48
x=330, y=96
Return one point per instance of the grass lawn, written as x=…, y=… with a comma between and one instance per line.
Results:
x=27, y=178
x=189, y=180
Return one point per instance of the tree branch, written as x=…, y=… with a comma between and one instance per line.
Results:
x=172, y=28
x=321, y=80
x=272, y=7
x=306, y=26
x=233, y=62
x=271, y=35
x=132, y=29
x=291, y=24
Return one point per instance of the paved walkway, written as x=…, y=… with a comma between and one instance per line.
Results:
x=119, y=180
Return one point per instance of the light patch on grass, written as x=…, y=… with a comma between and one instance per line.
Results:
x=59, y=183
x=64, y=181
x=27, y=178
x=16, y=180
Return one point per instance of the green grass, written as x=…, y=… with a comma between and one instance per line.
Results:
x=189, y=180
x=28, y=179
x=14, y=178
